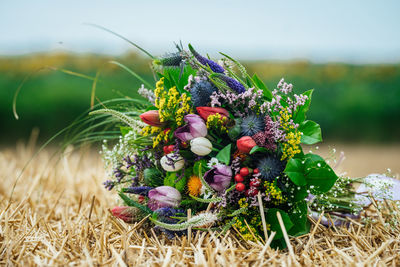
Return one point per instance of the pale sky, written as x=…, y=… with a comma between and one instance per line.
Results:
x=360, y=31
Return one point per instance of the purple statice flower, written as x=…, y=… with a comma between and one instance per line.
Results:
x=138, y=190
x=109, y=185
x=206, y=62
x=140, y=163
x=233, y=84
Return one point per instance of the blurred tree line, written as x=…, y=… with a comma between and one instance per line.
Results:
x=357, y=103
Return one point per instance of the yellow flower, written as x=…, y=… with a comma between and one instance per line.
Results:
x=194, y=185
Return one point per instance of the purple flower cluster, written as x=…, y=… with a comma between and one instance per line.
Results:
x=233, y=84
x=138, y=190
x=246, y=101
x=271, y=134
x=140, y=163
x=207, y=62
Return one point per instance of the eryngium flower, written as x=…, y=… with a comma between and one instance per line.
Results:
x=233, y=84
x=251, y=125
x=270, y=167
x=201, y=92
x=206, y=62
x=170, y=60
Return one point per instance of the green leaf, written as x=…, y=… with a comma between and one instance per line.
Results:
x=272, y=219
x=320, y=175
x=209, y=200
x=124, y=130
x=260, y=85
x=299, y=215
x=224, y=155
x=311, y=132
x=302, y=110
x=258, y=149
x=132, y=203
x=295, y=170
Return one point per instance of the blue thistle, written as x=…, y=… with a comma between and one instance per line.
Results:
x=206, y=62
x=233, y=84
x=201, y=93
x=270, y=167
x=251, y=125
x=170, y=60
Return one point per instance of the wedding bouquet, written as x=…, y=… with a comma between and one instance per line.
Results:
x=209, y=146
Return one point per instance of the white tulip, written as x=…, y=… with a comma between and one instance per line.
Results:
x=201, y=146
x=166, y=163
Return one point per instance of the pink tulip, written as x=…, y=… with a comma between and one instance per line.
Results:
x=163, y=196
x=151, y=117
x=194, y=128
x=124, y=213
x=245, y=144
x=204, y=112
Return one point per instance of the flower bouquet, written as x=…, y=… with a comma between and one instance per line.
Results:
x=211, y=147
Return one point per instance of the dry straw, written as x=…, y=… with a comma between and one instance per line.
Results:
x=59, y=215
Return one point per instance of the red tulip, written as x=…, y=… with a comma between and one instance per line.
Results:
x=151, y=117
x=204, y=112
x=124, y=213
x=245, y=144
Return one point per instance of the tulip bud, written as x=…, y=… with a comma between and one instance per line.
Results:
x=194, y=128
x=204, y=112
x=151, y=117
x=172, y=162
x=201, y=146
x=245, y=144
x=163, y=196
x=124, y=213
x=219, y=177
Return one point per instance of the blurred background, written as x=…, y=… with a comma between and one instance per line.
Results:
x=348, y=51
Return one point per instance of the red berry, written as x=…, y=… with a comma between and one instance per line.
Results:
x=165, y=149
x=170, y=148
x=240, y=187
x=255, y=171
x=244, y=171
x=239, y=178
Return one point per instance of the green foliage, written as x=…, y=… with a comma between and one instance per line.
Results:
x=170, y=180
x=153, y=177
x=132, y=203
x=311, y=170
x=311, y=132
x=224, y=155
x=272, y=219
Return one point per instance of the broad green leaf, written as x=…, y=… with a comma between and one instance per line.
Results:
x=311, y=132
x=295, y=170
x=258, y=149
x=272, y=219
x=299, y=215
x=302, y=110
x=124, y=130
x=320, y=175
x=224, y=155
x=260, y=85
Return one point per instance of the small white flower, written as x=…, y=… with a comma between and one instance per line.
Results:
x=212, y=162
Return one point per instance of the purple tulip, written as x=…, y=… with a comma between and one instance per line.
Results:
x=194, y=128
x=163, y=196
x=219, y=177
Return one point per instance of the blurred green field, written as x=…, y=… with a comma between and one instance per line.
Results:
x=353, y=103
